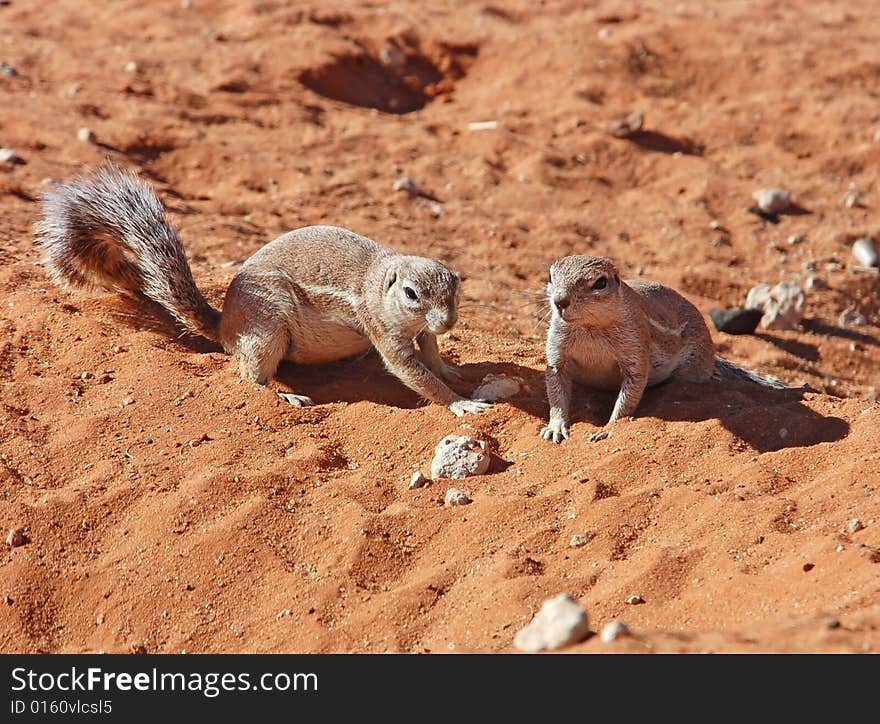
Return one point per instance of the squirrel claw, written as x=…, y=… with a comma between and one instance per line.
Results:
x=555, y=432
x=296, y=400
x=601, y=435
x=459, y=407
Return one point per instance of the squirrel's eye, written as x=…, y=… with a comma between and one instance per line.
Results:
x=410, y=293
x=600, y=283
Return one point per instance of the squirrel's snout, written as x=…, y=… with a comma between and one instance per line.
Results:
x=440, y=321
x=561, y=302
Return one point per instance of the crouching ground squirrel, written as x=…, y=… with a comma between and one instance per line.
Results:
x=615, y=335
x=313, y=295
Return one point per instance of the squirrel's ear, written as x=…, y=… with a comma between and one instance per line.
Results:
x=390, y=278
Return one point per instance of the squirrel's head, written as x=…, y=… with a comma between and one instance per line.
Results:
x=584, y=290
x=422, y=294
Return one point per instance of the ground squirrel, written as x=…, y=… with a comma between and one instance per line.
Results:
x=312, y=295
x=614, y=335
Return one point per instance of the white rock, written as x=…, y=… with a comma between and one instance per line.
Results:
x=758, y=296
x=454, y=496
x=459, y=456
x=785, y=308
x=560, y=622
x=85, y=135
x=496, y=387
x=578, y=540
x=405, y=183
x=132, y=67
x=613, y=631
x=772, y=201
x=855, y=525
x=7, y=155
x=16, y=538
x=814, y=282
x=418, y=480
x=482, y=125
x=865, y=252
x=634, y=600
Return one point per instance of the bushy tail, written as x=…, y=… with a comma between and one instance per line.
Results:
x=109, y=230
x=728, y=371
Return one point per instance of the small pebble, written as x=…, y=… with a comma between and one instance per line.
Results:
x=840, y=549
x=405, y=183
x=10, y=157
x=85, y=135
x=855, y=525
x=772, y=201
x=758, y=296
x=482, y=125
x=7, y=69
x=8, y=600
x=459, y=456
x=392, y=56
x=417, y=481
x=851, y=198
x=454, y=496
x=16, y=538
x=808, y=567
x=127, y=401
x=99, y=619
x=813, y=283
x=785, y=307
x=613, y=631
x=436, y=209
x=877, y=136
x=865, y=252
x=735, y=321
x=628, y=127
x=832, y=623
x=851, y=318
x=132, y=67
x=795, y=239
x=496, y=387
x=561, y=621
x=634, y=600
x=759, y=539
x=579, y=540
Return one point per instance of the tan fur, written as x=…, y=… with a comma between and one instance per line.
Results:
x=313, y=295
x=623, y=337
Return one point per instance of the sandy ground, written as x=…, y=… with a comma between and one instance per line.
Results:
x=169, y=506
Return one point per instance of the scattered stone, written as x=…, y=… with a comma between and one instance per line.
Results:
x=579, y=540
x=99, y=619
x=614, y=630
x=459, y=456
x=855, y=525
x=85, y=135
x=628, y=127
x=561, y=621
x=736, y=321
x=865, y=252
x=772, y=201
x=282, y=613
x=808, y=567
x=126, y=402
x=758, y=296
x=405, y=183
x=392, y=56
x=832, y=623
x=496, y=387
x=132, y=67
x=10, y=157
x=634, y=600
x=851, y=198
x=795, y=239
x=714, y=224
x=482, y=125
x=139, y=649
x=418, y=480
x=785, y=307
x=877, y=136
x=8, y=600
x=840, y=548
x=814, y=282
x=436, y=209
x=7, y=69
x=759, y=539
x=851, y=317
x=16, y=538
x=454, y=496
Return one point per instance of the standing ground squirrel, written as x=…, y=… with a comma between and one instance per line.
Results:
x=313, y=295
x=614, y=335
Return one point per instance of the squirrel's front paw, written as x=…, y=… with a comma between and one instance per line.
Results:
x=459, y=407
x=557, y=431
x=296, y=400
